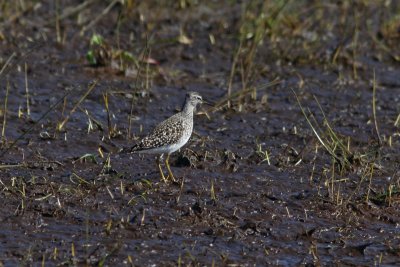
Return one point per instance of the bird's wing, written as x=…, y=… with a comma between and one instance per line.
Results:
x=166, y=133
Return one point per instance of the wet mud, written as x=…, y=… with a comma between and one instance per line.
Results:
x=303, y=172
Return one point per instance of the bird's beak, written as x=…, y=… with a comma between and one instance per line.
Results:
x=207, y=103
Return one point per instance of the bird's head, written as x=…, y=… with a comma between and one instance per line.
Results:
x=193, y=99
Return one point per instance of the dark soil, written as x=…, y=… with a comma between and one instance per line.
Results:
x=69, y=197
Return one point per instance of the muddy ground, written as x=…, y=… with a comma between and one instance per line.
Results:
x=257, y=183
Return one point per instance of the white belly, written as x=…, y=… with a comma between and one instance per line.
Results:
x=168, y=149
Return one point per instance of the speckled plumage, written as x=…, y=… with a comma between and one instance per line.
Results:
x=175, y=130
x=171, y=134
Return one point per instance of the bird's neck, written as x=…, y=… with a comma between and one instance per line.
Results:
x=188, y=109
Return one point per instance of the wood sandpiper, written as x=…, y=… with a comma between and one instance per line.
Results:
x=171, y=134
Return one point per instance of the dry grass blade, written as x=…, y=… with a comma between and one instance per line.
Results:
x=95, y=20
x=69, y=11
x=233, y=70
x=374, y=109
x=109, y=124
x=240, y=93
x=311, y=125
x=212, y=191
x=397, y=122
x=7, y=63
x=28, y=110
x=60, y=126
x=146, y=52
x=12, y=166
x=3, y=131
x=35, y=123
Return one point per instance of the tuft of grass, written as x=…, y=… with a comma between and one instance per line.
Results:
x=333, y=143
x=344, y=161
x=99, y=52
x=388, y=197
x=107, y=165
x=91, y=121
x=263, y=153
x=257, y=18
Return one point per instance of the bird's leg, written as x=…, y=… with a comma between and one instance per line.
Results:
x=170, y=175
x=160, y=169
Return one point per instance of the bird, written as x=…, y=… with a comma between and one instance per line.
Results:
x=170, y=135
